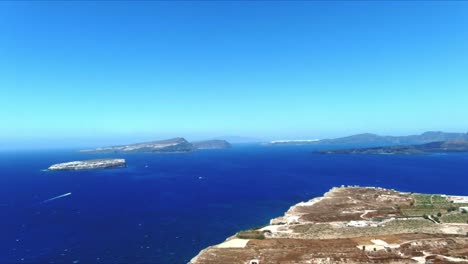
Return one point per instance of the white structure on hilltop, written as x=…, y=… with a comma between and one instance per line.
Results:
x=361, y=223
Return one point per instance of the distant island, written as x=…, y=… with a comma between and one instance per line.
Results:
x=161, y=146
x=373, y=140
x=211, y=144
x=174, y=145
x=89, y=164
x=428, y=148
x=355, y=225
x=293, y=141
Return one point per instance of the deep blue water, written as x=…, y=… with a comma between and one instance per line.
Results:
x=178, y=204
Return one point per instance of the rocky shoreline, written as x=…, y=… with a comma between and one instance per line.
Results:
x=355, y=225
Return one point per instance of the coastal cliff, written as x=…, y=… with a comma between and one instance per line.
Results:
x=355, y=225
x=89, y=164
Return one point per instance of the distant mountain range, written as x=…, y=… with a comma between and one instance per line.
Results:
x=373, y=140
x=172, y=145
x=428, y=148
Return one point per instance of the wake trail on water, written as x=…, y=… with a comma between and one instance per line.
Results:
x=56, y=197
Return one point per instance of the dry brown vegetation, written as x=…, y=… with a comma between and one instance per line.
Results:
x=321, y=232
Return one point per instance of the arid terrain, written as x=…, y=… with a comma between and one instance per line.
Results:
x=355, y=225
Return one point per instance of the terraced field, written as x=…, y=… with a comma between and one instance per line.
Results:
x=354, y=225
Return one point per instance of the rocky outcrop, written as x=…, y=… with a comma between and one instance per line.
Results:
x=89, y=164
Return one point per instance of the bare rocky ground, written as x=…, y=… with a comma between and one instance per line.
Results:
x=355, y=225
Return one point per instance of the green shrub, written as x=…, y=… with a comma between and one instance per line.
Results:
x=451, y=209
x=250, y=235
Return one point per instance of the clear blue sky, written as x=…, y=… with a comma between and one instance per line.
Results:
x=140, y=70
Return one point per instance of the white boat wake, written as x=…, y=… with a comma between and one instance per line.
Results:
x=56, y=197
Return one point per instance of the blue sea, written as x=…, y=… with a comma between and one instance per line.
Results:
x=165, y=208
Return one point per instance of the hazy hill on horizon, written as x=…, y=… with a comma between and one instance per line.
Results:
x=374, y=140
x=449, y=146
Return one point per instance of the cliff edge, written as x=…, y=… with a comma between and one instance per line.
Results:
x=355, y=225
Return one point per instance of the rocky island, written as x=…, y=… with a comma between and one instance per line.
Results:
x=89, y=164
x=355, y=225
x=212, y=144
x=173, y=145
x=160, y=146
x=428, y=148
